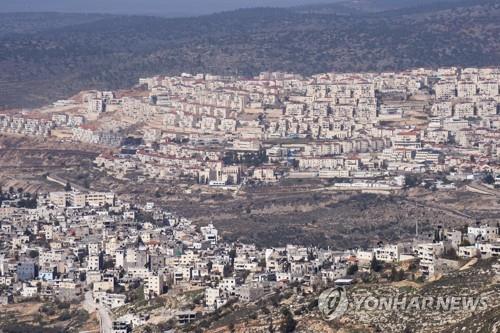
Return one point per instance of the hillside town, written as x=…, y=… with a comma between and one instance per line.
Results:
x=125, y=260
x=360, y=130
x=242, y=166
x=94, y=248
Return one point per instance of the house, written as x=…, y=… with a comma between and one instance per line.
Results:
x=388, y=253
x=489, y=250
x=153, y=285
x=483, y=233
x=119, y=326
x=111, y=301
x=428, y=253
x=468, y=251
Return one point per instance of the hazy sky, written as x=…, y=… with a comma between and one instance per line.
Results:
x=158, y=7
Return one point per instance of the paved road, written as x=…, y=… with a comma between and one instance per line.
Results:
x=425, y=204
x=105, y=321
x=63, y=182
x=481, y=189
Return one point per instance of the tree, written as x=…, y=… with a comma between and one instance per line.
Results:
x=489, y=179
x=47, y=309
x=437, y=236
x=108, y=264
x=289, y=323
x=411, y=180
x=465, y=242
x=232, y=254
x=450, y=254
x=63, y=305
x=65, y=315
x=67, y=188
x=397, y=275
x=33, y=254
x=446, y=181
x=351, y=270
x=401, y=275
x=375, y=265
x=262, y=263
x=394, y=273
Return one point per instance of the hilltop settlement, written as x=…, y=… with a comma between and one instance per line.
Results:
x=139, y=266
x=359, y=130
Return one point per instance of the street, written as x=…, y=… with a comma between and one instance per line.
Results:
x=105, y=321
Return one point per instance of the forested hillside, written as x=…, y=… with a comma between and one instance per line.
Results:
x=66, y=55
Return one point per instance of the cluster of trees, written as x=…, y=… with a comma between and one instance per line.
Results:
x=22, y=199
x=412, y=180
x=376, y=265
x=489, y=179
x=289, y=323
x=51, y=309
x=249, y=159
x=397, y=275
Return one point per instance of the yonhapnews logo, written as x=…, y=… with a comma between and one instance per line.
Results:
x=333, y=303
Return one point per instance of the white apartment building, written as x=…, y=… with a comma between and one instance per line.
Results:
x=484, y=233
x=94, y=262
x=468, y=251
x=489, y=250
x=211, y=297
x=111, y=301
x=79, y=199
x=445, y=90
x=210, y=234
x=428, y=253
x=388, y=253
x=153, y=285
x=466, y=89
x=99, y=199
x=95, y=105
